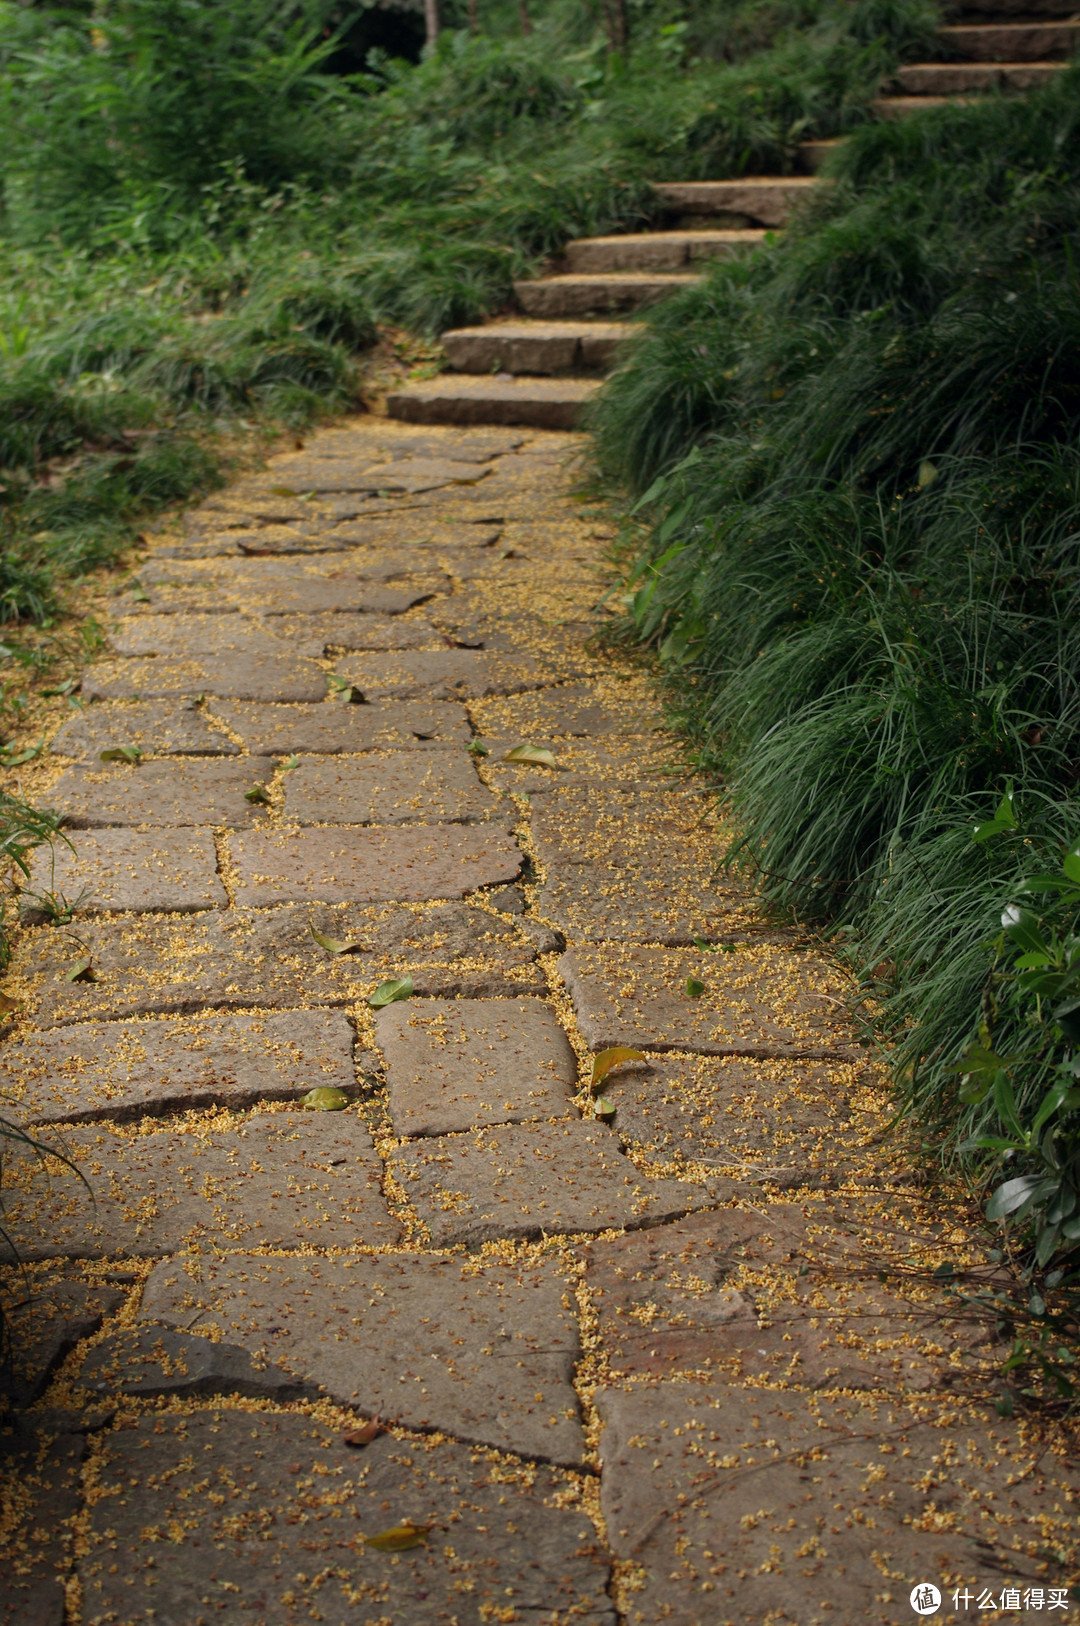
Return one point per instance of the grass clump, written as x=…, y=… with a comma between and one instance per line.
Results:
x=858, y=457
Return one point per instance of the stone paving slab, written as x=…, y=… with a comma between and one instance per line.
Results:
x=149, y=1361
x=268, y=958
x=204, y=790
x=265, y=1516
x=578, y=763
x=47, y=1319
x=125, y=1069
x=109, y=870
x=274, y=587
x=421, y=1340
x=529, y=1180
x=358, y=864
x=313, y=636
x=572, y=709
x=399, y=787
x=191, y=636
x=161, y=727
x=426, y=532
x=406, y=474
x=235, y=677
x=636, y=865
x=751, y=1507
x=445, y=674
x=306, y=1179
x=788, y=1122
x=780, y=1294
x=455, y=1065
x=41, y=1476
x=757, y=1000
x=403, y=725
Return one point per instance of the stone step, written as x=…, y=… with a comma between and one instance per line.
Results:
x=1011, y=42
x=655, y=251
x=766, y=199
x=902, y=107
x=811, y=155
x=584, y=295
x=539, y=403
x=954, y=78
x=535, y=347
x=1023, y=9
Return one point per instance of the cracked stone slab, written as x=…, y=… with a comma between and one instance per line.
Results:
x=234, y=677
x=782, y=1295
x=308, y=1179
x=406, y=474
x=398, y=787
x=444, y=674
x=406, y=725
x=756, y=1507
x=275, y=587
x=529, y=1180
x=314, y=636
x=758, y=1000
x=359, y=864
x=160, y=727
x=634, y=865
x=110, y=870
x=268, y=958
x=426, y=532
x=266, y=1515
x=571, y=710
x=418, y=1339
x=203, y=791
x=148, y=1361
x=191, y=636
x=788, y=1122
x=49, y=1319
x=44, y=1467
x=123, y=1070
x=455, y=1065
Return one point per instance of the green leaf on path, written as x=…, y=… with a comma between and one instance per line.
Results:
x=615, y=1056
x=283, y=491
x=289, y=764
x=81, y=971
x=121, y=753
x=333, y=945
x=531, y=753
x=258, y=793
x=694, y=988
x=603, y=1108
x=399, y=1539
x=63, y=688
x=325, y=1099
x=17, y=758
x=478, y=748
x=387, y=992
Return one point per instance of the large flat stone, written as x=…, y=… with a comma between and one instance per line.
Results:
x=205, y=791
x=444, y=674
x=400, y=787
x=266, y=1515
x=276, y=1180
x=407, y=474
x=191, y=636
x=244, y=958
x=783, y=1295
x=418, y=1339
x=355, y=864
x=110, y=870
x=47, y=1319
x=237, y=677
x=161, y=727
x=529, y=1180
x=280, y=587
x=125, y=1069
x=571, y=710
x=406, y=725
x=788, y=1122
x=459, y=1064
x=148, y=1361
x=316, y=635
x=755, y=1507
x=42, y=1467
x=759, y=1000
x=635, y=865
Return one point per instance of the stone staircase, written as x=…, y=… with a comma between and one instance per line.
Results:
x=540, y=369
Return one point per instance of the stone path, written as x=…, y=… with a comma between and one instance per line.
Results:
x=684, y=1362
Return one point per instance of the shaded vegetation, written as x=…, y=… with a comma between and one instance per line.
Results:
x=857, y=457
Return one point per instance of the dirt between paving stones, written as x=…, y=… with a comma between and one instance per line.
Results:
x=685, y=1362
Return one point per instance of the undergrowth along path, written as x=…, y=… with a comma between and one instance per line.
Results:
x=355, y=809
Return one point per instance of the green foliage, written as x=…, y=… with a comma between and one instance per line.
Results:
x=857, y=454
